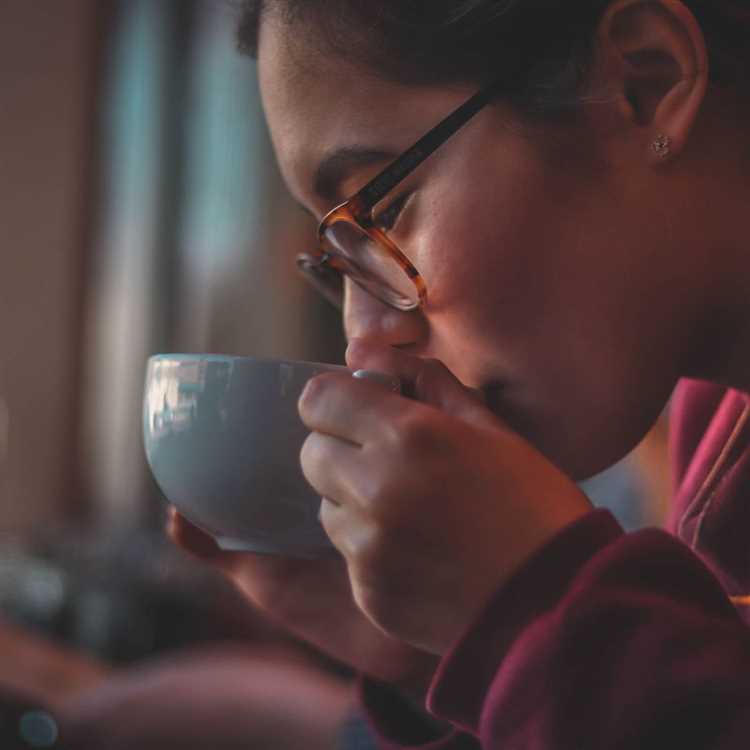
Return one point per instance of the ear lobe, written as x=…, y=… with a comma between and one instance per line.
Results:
x=658, y=67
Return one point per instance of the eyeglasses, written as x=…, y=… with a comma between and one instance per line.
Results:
x=350, y=242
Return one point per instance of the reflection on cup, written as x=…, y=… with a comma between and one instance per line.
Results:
x=223, y=436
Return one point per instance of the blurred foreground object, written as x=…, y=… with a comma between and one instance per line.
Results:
x=222, y=698
x=50, y=672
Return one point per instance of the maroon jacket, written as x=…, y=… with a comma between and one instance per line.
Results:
x=614, y=641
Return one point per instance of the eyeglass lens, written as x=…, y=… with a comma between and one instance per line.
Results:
x=370, y=264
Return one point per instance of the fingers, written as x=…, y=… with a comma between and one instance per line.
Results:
x=350, y=409
x=326, y=461
x=427, y=380
x=202, y=546
x=389, y=382
x=335, y=469
x=361, y=355
x=189, y=537
x=345, y=527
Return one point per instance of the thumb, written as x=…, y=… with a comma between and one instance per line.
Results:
x=426, y=380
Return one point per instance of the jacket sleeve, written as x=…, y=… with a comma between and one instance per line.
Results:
x=400, y=724
x=602, y=640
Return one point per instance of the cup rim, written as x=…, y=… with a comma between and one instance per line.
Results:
x=212, y=357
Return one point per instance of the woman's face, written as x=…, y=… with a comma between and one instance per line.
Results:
x=548, y=269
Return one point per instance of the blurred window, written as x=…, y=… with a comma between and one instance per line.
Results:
x=190, y=250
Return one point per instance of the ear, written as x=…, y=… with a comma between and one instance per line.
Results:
x=651, y=54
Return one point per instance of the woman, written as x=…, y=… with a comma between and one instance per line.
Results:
x=540, y=272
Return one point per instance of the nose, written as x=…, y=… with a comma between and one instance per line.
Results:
x=366, y=317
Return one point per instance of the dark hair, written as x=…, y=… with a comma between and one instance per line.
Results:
x=542, y=48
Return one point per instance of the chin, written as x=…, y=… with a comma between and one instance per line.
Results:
x=579, y=448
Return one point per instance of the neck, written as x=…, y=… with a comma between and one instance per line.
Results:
x=727, y=290
x=721, y=178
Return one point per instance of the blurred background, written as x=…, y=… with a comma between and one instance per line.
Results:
x=141, y=212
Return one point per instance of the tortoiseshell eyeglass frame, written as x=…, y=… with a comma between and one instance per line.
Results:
x=321, y=266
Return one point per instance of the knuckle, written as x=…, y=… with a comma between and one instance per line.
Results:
x=331, y=522
x=307, y=452
x=327, y=514
x=311, y=394
x=362, y=544
x=365, y=554
x=416, y=434
x=314, y=392
x=313, y=454
x=403, y=459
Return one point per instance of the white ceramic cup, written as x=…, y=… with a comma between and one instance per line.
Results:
x=223, y=438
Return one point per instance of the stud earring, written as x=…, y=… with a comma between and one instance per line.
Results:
x=662, y=146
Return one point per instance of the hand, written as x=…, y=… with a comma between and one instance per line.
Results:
x=313, y=600
x=433, y=502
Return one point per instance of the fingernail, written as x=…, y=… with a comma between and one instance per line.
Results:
x=391, y=382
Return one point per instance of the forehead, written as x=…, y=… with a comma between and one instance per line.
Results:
x=316, y=104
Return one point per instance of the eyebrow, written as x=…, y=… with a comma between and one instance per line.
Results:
x=339, y=164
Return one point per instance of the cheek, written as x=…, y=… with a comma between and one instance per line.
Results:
x=522, y=294
x=490, y=264
x=587, y=373
x=480, y=246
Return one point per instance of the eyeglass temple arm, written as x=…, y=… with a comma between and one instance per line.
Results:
x=363, y=202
